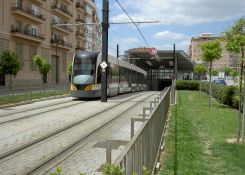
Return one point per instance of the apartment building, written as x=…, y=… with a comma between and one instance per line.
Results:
x=30, y=27
x=227, y=60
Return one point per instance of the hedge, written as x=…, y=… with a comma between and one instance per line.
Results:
x=228, y=95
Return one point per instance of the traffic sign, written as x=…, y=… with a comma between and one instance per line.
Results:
x=103, y=65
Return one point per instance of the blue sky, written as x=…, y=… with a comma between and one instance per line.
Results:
x=180, y=20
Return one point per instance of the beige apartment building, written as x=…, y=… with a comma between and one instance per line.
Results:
x=227, y=59
x=30, y=27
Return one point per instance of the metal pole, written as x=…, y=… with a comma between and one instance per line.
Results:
x=105, y=25
x=117, y=50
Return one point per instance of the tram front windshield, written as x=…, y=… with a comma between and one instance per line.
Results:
x=84, y=71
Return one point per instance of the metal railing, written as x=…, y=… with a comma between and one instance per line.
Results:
x=28, y=10
x=144, y=146
x=26, y=31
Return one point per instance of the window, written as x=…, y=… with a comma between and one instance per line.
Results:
x=19, y=52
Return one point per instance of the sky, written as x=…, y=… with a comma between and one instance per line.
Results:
x=179, y=21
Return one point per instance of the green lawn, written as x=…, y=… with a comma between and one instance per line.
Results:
x=31, y=96
x=196, y=141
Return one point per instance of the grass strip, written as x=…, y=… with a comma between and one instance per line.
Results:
x=196, y=142
x=15, y=98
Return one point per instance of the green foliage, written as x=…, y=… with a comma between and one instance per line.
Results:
x=235, y=37
x=196, y=142
x=211, y=50
x=234, y=73
x=69, y=69
x=57, y=171
x=200, y=69
x=9, y=63
x=110, y=169
x=214, y=72
x=42, y=65
x=226, y=70
x=187, y=85
x=224, y=94
x=146, y=171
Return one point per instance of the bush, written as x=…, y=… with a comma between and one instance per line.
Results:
x=192, y=85
x=228, y=95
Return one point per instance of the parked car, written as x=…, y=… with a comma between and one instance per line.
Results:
x=220, y=81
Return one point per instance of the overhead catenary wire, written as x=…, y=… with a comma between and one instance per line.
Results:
x=133, y=23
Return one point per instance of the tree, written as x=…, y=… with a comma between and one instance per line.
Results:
x=226, y=70
x=214, y=72
x=9, y=65
x=234, y=73
x=42, y=66
x=210, y=51
x=200, y=69
x=235, y=42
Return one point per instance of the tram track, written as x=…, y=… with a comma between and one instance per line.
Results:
x=12, y=116
x=79, y=143
x=10, y=153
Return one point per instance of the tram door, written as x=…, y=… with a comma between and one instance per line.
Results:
x=55, y=69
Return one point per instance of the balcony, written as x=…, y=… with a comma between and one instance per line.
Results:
x=61, y=28
x=90, y=3
x=80, y=7
x=59, y=42
x=26, y=34
x=78, y=47
x=61, y=9
x=29, y=13
x=40, y=2
x=69, y=1
x=80, y=20
x=80, y=35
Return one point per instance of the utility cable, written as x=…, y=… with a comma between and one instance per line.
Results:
x=134, y=23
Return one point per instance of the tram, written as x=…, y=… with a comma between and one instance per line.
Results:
x=122, y=76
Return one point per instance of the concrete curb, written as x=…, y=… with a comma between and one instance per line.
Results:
x=34, y=100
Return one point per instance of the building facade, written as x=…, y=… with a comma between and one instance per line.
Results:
x=227, y=60
x=30, y=27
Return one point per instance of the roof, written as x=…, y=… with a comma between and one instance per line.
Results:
x=163, y=58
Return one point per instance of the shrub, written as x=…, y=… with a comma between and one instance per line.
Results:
x=187, y=85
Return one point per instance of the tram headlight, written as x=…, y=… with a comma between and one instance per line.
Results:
x=73, y=87
x=89, y=87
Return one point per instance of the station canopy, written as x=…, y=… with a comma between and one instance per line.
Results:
x=150, y=58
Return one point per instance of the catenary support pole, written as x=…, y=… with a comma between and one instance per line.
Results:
x=105, y=26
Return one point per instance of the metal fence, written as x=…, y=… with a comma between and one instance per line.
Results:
x=143, y=148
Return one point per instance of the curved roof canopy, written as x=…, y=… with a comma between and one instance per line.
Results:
x=162, y=59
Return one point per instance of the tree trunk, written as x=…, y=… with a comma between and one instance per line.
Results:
x=239, y=120
x=243, y=105
x=210, y=88
x=200, y=87
x=10, y=84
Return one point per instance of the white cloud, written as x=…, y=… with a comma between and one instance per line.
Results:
x=187, y=12
x=167, y=35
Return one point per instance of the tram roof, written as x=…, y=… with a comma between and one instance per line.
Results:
x=163, y=58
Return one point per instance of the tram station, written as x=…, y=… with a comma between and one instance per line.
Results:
x=161, y=65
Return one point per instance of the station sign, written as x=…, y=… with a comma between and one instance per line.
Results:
x=152, y=51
